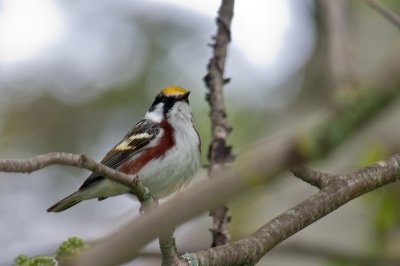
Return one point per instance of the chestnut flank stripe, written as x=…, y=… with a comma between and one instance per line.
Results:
x=164, y=144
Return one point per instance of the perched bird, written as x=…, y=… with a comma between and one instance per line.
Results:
x=163, y=149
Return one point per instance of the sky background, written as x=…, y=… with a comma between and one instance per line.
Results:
x=68, y=47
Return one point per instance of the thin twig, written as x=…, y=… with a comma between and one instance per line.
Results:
x=83, y=161
x=169, y=253
x=385, y=12
x=219, y=152
x=76, y=160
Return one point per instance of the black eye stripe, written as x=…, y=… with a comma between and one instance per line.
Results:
x=169, y=102
x=159, y=98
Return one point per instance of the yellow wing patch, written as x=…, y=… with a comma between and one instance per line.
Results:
x=173, y=90
x=125, y=145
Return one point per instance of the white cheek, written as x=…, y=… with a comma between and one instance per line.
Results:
x=156, y=115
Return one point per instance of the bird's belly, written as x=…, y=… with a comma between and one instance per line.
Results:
x=170, y=172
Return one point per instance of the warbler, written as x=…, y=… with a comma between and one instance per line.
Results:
x=163, y=149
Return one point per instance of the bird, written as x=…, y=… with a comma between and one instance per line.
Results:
x=162, y=149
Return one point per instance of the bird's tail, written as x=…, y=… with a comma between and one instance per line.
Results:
x=66, y=202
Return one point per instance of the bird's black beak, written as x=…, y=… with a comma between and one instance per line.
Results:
x=183, y=97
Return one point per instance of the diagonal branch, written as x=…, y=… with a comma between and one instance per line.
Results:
x=335, y=194
x=219, y=152
x=385, y=12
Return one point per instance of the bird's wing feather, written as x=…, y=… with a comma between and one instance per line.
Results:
x=134, y=141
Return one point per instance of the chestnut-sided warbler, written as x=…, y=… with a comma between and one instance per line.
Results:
x=163, y=149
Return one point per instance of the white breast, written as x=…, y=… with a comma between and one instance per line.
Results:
x=176, y=167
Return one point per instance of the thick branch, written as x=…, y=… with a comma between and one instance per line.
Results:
x=343, y=189
x=219, y=152
x=316, y=250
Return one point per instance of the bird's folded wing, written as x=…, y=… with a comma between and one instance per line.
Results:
x=136, y=140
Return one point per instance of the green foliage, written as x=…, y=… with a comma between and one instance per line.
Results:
x=23, y=260
x=69, y=248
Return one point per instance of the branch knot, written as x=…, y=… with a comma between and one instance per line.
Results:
x=82, y=160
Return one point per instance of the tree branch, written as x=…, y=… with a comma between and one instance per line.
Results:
x=167, y=242
x=311, y=176
x=385, y=12
x=219, y=152
x=339, y=191
x=169, y=253
x=76, y=160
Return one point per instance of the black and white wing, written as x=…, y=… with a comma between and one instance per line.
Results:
x=134, y=141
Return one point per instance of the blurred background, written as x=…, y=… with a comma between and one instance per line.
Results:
x=76, y=75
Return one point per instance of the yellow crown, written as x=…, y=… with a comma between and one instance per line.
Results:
x=173, y=90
